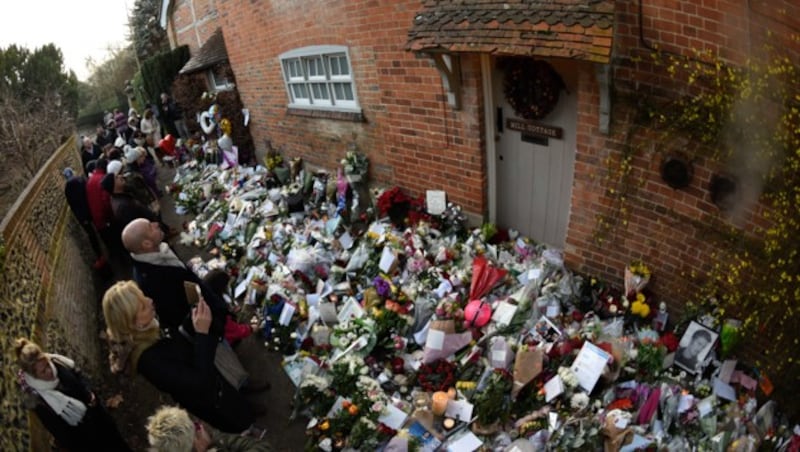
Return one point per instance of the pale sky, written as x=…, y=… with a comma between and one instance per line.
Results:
x=81, y=29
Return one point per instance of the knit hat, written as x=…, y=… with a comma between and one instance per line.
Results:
x=108, y=182
x=114, y=167
x=132, y=154
x=119, y=142
x=68, y=173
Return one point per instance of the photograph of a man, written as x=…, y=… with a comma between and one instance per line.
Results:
x=694, y=347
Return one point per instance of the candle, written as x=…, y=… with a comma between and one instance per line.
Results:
x=448, y=423
x=451, y=393
x=440, y=400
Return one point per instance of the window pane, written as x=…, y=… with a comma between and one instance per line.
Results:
x=339, y=66
x=319, y=90
x=343, y=91
x=300, y=91
x=294, y=68
x=315, y=68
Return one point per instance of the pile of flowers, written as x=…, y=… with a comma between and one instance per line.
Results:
x=371, y=323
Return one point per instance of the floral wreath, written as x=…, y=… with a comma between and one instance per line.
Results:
x=531, y=87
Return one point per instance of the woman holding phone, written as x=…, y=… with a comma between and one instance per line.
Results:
x=185, y=370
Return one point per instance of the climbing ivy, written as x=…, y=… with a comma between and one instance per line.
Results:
x=745, y=118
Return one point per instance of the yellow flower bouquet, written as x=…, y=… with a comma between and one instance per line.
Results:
x=637, y=275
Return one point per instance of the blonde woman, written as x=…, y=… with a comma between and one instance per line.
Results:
x=172, y=364
x=63, y=401
x=171, y=429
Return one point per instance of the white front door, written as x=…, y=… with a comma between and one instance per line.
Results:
x=533, y=172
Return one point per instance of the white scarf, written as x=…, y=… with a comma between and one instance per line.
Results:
x=70, y=409
x=164, y=256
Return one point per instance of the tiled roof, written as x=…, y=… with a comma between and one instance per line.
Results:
x=210, y=53
x=579, y=29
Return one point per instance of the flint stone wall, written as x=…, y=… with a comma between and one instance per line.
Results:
x=46, y=291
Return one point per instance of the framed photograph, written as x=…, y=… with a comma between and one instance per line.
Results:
x=694, y=347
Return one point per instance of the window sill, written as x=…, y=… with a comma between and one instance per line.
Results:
x=352, y=116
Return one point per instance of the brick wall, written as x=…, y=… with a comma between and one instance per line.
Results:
x=413, y=138
x=676, y=232
x=663, y=227
x=194, y=21
x=46, y=290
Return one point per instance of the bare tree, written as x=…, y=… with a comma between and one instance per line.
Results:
x=29, y=134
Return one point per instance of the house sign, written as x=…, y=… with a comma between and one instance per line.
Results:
x=534, y=128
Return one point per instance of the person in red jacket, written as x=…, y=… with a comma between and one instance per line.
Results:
x=100, y=208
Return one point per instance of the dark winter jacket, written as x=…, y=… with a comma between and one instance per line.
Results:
x=96, y=432
x=164, y=284
x=75, y=192
x=127, y=209
x=186, y=372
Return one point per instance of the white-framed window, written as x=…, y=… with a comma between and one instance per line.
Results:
x=319, y=77
x=217, y=80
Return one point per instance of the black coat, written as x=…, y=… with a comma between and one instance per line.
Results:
x=75, y=192
x=127, y=209
x=164, y=284
x=186, y=372
x=96, y=432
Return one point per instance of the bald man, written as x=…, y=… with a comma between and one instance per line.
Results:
x=161, y=274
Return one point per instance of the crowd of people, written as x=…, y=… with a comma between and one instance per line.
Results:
x=165, y=324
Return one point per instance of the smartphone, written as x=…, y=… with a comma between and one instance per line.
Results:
x=192, y=292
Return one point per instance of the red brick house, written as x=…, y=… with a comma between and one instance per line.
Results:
x=419, y=87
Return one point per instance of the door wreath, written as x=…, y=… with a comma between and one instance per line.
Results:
x=532, y=87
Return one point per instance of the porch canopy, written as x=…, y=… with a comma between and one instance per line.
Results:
x=576, y=29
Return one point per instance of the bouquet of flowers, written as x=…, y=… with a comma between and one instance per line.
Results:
x=492, y=402
x=437, y=376
x=637, y=275
x=355, y=166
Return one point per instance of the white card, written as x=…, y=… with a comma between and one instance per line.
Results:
x=377, y=228
x=706, y=405
x=241, y=288
x=312, y=299
x=499, y=356
x=444, y=288
x=393, y=417
x=435, y=340
x=346, y=240
x=724, y=390
x=459, y=409
x=466, y=442
x=286, y=314
x=552, y=421
x=350, y=310
x=387, y=259
x=504, y=313
x=589, y=364
x=436, y=201
x=553, y=388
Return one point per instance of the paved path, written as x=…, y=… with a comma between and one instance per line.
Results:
x=141, y=399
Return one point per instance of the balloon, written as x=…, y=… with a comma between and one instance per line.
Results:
x=225, y=126
x=167, y=144
x=207, y=123
x=477, y=314
x=225, y=143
